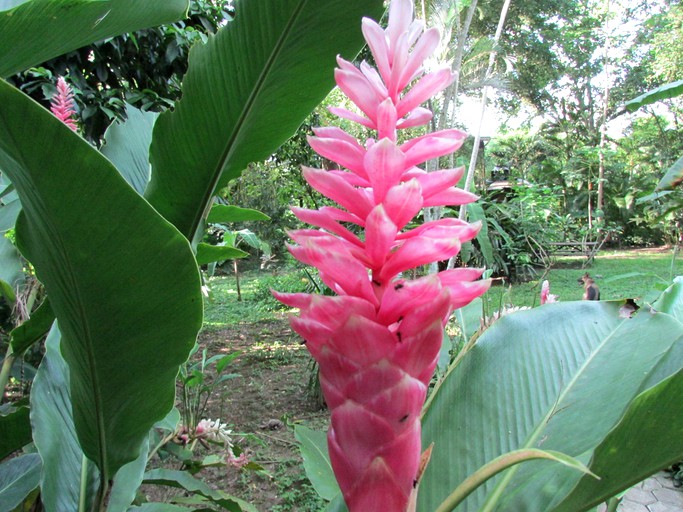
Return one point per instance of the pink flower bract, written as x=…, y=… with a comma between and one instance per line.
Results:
x=377, y=341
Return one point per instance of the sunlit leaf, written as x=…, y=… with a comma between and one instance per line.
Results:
x=223, y=214
x=673, y=176
x=207, y=253
x=664, y=92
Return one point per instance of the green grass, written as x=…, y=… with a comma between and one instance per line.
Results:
x=619, y=274
x=639, y=275
x=223, y=308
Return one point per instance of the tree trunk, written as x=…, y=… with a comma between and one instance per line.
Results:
x=603, y=125
x=484, y=99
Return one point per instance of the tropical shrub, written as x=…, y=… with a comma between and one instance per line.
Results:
x=297, y=281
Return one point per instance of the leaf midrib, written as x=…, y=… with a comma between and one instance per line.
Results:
x=229, y=146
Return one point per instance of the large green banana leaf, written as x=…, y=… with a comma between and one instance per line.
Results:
x=635, y=448
x=18, y=477
x=15, y=427
x=246, y=91
x=666, y=91
x=662, y=391
x=559, y=377
x=672, y=177
x=38, y=30
x=11, y=271
x=9, y=204
x=123, y=283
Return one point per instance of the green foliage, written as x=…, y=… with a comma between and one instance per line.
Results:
x=127, y=146
x=520, y=221
x=619, y=274
x=573, y=346
x=554, y=172
x=19, y=477
x=15, y=426
x=54, y=28
x=313, y=445
x=223, y=309
x=194, y=156
x=662, y=36
x=198, y=386
x=203, y=495
x=274, y=185
x=124, y=285
x=55, y=438
x=296, y=493
x=137, y=320
x=664, y=92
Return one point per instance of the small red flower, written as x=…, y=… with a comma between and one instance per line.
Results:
x=62, y=104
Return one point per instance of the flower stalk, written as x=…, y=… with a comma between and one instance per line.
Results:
x=377, y=341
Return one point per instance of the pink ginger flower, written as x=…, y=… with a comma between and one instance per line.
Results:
x=377, y=341
x=546, y=296
x=62, y=104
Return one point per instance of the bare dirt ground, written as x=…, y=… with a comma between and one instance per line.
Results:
x=260, y=407
x=269, y=396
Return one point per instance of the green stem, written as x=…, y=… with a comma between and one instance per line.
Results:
x=5, y=371
x=31, y=299
x=161, y=443
x=496, y=466
x=100, y=504
x=84, y=485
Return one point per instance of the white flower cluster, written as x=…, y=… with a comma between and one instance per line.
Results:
x=214, y=430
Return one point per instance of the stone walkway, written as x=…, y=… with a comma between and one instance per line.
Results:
x=656, y=494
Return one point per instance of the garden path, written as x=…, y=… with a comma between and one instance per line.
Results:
x=656, y=494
